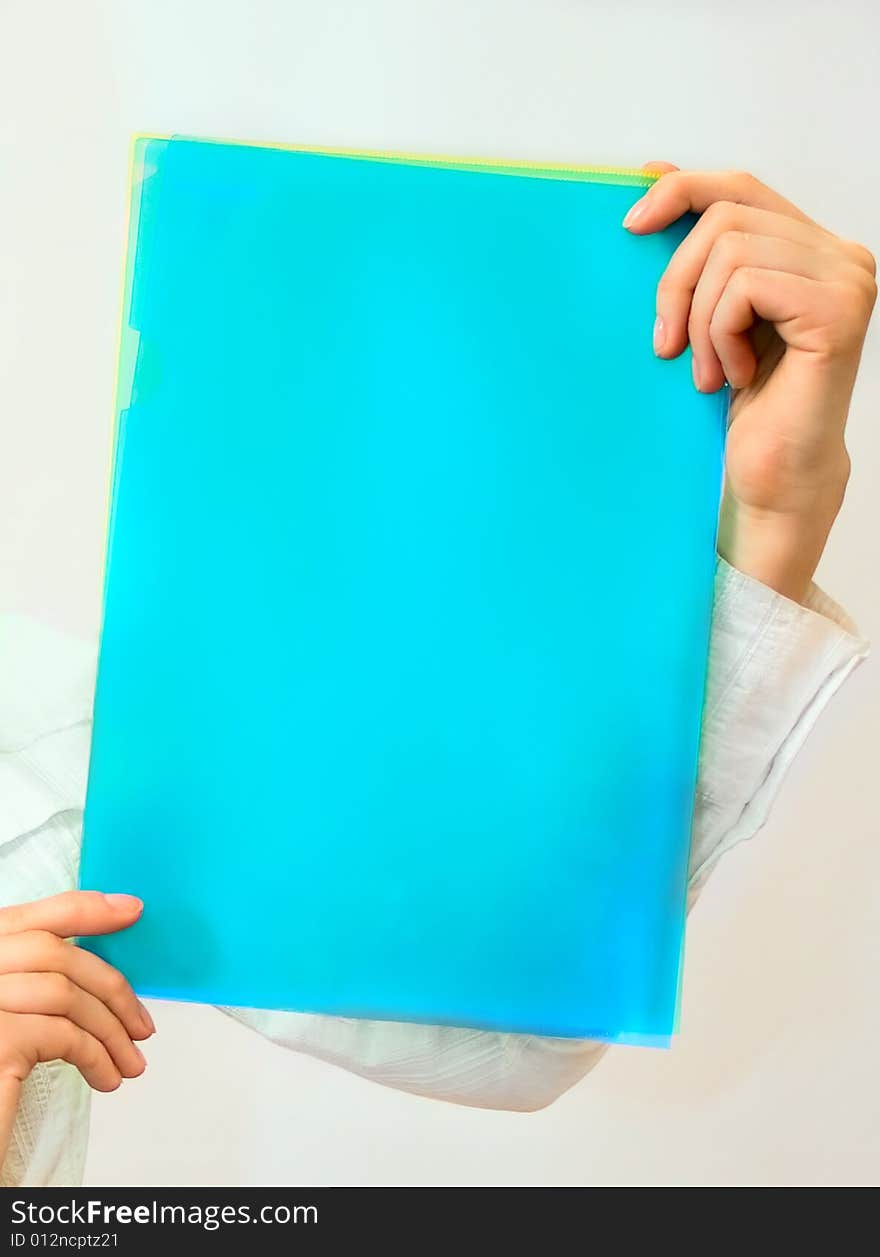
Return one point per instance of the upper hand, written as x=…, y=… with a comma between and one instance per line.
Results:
x=777, y=306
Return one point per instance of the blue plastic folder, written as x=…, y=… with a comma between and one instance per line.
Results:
x=407, y=596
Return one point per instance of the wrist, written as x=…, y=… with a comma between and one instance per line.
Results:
x=780, y=549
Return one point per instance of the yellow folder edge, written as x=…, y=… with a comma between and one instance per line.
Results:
x=138, y=170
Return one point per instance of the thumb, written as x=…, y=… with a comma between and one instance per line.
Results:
x=73, y=913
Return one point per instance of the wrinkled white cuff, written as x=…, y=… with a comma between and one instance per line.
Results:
x=773, y=666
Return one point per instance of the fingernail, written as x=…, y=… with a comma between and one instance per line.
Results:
x=635, y=213
x=128, y=902
x=659, y=334
x=146, y=1018
x=140, y=1053
x=695, y=367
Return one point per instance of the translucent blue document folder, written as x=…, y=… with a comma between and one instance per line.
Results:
x=407, y=596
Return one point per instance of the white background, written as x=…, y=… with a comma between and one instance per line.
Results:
x=773, y=1079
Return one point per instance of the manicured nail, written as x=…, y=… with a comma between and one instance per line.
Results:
x=130, y=902
x=659, y=334
x=695, y=367
x=146, y=1018
x=635, y=213
x=139, y=1052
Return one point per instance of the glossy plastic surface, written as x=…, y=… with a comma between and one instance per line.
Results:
x=407, y=598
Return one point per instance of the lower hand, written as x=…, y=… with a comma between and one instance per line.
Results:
x=58, y=1002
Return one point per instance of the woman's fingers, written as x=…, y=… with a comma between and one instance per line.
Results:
x=806, y=312
x=55, y=995
x=77, y=912
x=729, y=253
x=735, y=226
x=680, y=191
x=823, y=318
x=38, y=951
x=743, y=224
x=75, y=994
x=60, y=1039
x=750, y=293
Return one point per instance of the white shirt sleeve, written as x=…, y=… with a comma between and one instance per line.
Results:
x=773, y=666
x=46, y=688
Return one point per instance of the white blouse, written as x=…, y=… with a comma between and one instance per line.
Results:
x=773, y=666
